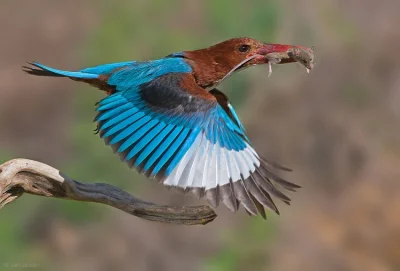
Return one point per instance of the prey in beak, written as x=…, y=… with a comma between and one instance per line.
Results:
x=238, y=54
x=282, y=54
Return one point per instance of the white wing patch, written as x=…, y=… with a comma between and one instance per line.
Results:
x=207, y=165
x=175, y=176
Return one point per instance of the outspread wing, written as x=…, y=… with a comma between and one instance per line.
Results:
x=162, y=123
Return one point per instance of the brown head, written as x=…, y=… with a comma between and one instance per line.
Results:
x=212, y=64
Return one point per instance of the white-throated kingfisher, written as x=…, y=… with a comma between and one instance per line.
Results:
x=167, y=119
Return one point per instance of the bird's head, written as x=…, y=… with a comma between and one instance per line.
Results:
x=215, y=63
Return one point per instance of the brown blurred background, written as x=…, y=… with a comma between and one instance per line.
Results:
x=337, y=127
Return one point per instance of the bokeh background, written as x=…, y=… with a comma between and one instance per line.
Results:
x=337, y=127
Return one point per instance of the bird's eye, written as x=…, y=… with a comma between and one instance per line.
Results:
x=244, y=48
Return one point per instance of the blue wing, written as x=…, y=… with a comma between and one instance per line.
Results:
x=161, y=122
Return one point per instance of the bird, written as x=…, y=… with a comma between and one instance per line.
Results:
x=167, y=118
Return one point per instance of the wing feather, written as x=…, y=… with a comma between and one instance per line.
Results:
x=160, y=121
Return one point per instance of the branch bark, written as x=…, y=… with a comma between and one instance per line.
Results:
x=19, y=176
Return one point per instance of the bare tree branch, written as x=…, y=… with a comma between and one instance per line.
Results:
x=20, y=176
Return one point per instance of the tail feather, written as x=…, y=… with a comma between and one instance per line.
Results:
x=42, y=70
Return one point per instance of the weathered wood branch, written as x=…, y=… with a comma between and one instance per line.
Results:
x=19, y=176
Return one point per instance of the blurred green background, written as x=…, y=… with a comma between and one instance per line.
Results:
x=338, y=128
